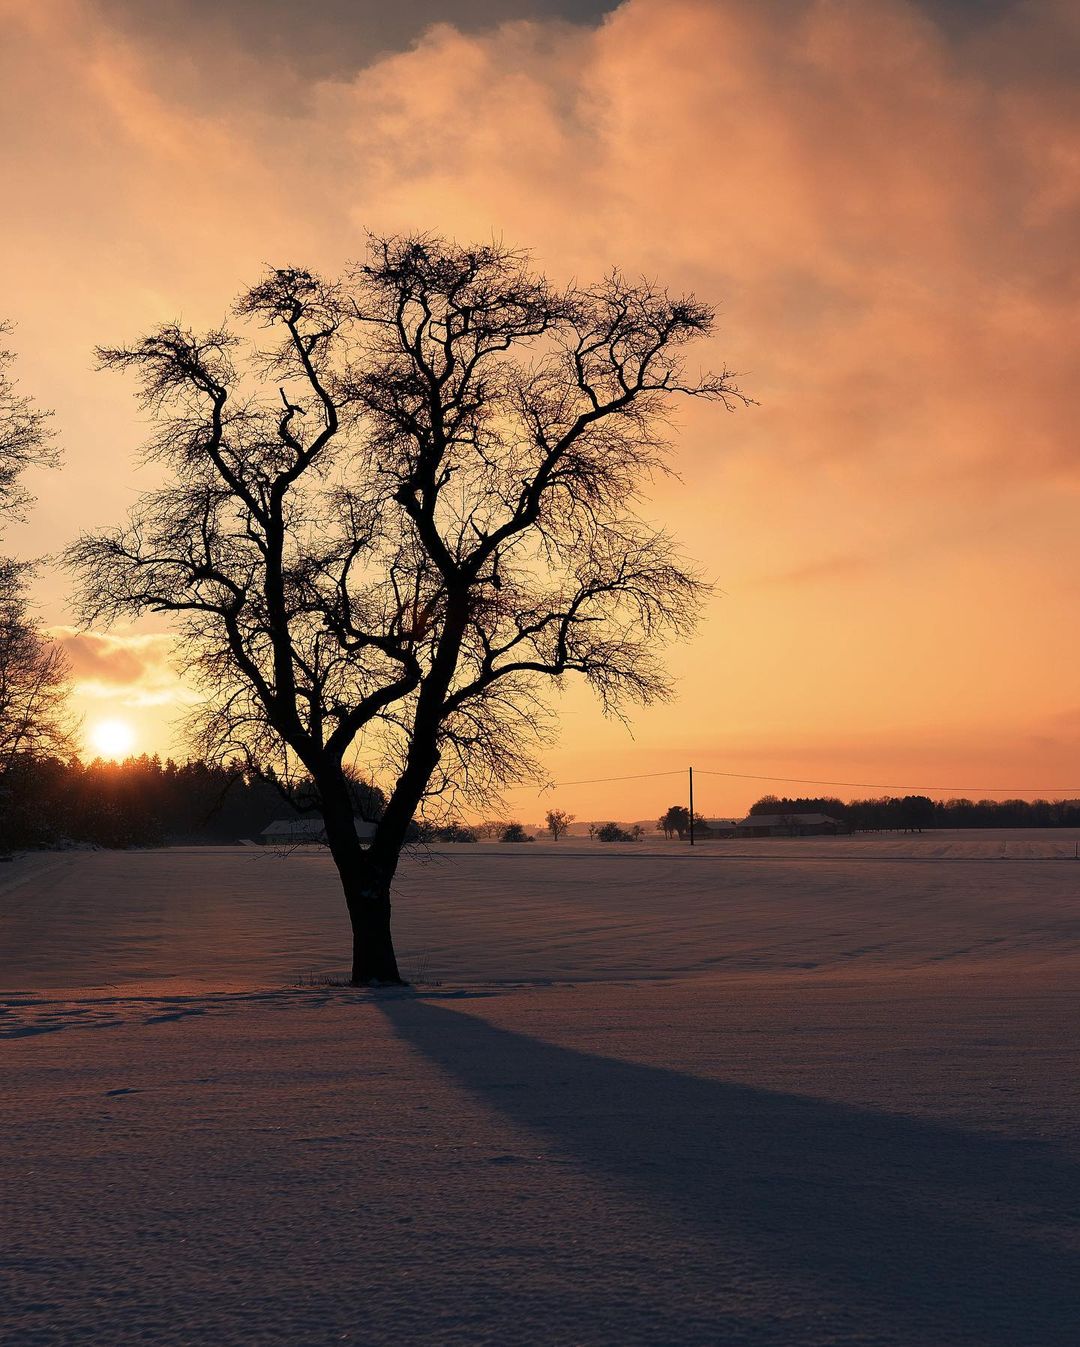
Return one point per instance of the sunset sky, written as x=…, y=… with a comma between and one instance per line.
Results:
x=882, y=198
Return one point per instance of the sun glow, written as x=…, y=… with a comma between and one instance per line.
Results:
x=113, y=738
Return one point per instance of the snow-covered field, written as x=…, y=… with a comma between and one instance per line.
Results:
x=791, y=1093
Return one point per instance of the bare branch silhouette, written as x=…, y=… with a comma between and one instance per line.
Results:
x=34, y=718
x=397, y=515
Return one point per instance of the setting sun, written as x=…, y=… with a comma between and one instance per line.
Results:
x=113, y=738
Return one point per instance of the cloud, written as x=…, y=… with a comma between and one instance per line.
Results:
x=842, y=566
x=327, y=38
x=133, y=670
x=882, y=197
x=887, y=216
x=892, y=230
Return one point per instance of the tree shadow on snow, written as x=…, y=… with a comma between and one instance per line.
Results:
x=923, y=1234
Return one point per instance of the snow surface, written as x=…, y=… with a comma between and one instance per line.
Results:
x=793, y=1093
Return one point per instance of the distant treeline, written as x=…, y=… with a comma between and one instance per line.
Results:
x=916, y=812
x=141, y=802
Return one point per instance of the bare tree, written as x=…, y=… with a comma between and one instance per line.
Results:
x=25, y=439
x=34, y=718
x=491, y=829
x=408, y=508
x=557, y=822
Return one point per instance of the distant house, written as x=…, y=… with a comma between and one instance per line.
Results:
x=291, y=832
x=790, y=825
x=717, y=827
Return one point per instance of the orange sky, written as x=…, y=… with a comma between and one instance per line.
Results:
x=885, y=208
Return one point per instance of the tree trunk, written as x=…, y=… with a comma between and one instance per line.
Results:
x=373, y=958
x=366, y=884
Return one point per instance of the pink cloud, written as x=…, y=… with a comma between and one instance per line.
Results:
x=888, y=217
x=134, y=669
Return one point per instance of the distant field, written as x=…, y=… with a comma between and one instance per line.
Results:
x=816, y=1093
x=566, y=911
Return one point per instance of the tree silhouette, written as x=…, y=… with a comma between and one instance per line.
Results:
x=676, y=822
x=34, y=715
x=611, y=832
x=396, y=514
x=916, y=812
x=557, y=822
x=25, y=439
x=769, y=804
x=34, y=719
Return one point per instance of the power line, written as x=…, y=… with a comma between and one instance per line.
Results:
x=877, y=785
x=602, y=780
x=812, y=781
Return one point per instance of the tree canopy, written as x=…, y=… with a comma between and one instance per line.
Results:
x=34, y=717
x=398, y=508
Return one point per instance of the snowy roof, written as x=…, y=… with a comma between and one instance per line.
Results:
x=295, y=827
x=312, y=828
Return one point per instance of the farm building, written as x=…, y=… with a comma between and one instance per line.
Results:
x=790, y=825
x=718, y=827
x=290, y=832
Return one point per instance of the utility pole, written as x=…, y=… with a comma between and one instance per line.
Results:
x=691, y=806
